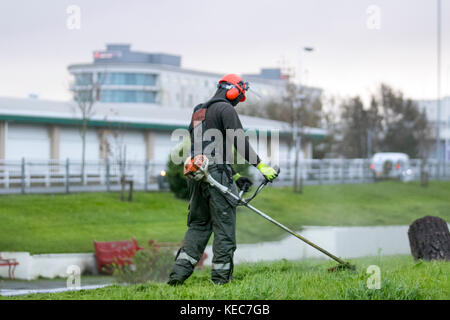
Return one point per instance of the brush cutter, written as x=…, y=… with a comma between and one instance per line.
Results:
x=197, y=168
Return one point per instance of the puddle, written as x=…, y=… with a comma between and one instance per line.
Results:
x=344, y=242
x=10, y=287
x=18, y=292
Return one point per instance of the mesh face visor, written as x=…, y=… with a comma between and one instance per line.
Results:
x=244, y=85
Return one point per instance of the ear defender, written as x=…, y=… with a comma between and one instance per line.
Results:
x=232, y=93
x=235, y=86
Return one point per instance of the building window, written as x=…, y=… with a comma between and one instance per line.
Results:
x=132, y=96
x=83, y=95
x=126, y=78
x=83, y=79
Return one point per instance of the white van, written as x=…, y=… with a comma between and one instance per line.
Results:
x=391, y=165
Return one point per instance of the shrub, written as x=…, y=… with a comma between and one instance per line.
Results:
x=175, y=172
x=177, y=180
x=150, y=264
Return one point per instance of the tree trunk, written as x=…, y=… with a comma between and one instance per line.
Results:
x=83, y=150
x=130, y=192
x=429, y=239
x=423, y=175
x=122, y=190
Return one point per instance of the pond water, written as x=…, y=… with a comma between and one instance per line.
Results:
x=344, y=242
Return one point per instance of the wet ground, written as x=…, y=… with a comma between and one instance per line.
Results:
x=10, y=287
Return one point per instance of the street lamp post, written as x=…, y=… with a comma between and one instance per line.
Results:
x=297, y=129
x=438, y=74
x=297, y=141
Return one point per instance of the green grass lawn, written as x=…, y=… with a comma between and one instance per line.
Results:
x=70, y=223
x=401, y=278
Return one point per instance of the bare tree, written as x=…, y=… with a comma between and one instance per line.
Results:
x=305, y=108
x=300, y=107
x=392, y=123
x=85, y=94
x=116, y=149
x=359, y=128
x=120, y=157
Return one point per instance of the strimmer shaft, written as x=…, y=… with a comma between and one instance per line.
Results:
x=224, y=189
x=294, y=233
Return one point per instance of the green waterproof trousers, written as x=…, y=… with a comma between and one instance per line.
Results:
x=209, y=211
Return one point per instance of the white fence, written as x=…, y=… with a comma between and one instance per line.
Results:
x=334, y=171
x=40, y=176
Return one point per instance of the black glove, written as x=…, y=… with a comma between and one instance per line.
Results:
x=244, y=183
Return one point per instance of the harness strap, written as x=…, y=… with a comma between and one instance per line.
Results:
x=199, y=114
x=198, y=119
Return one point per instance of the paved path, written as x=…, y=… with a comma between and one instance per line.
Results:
x=18, y=292
x=21, y=287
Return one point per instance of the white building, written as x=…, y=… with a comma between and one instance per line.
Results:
x=431, y=109
x=40, y=130
x=139, y=99
x=126, y=76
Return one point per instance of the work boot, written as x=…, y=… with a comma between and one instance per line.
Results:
x=220, y=282
x=175, y=282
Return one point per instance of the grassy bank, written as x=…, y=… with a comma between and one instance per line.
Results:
x=401, y=278
x=70, y=223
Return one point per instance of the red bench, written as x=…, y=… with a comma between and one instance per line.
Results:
x=122, y=252
x=114, y=252
x=202, y=259
x=11, y=264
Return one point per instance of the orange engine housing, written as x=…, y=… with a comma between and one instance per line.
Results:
x=192, y=165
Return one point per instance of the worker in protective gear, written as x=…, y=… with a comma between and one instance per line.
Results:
x=209, y=209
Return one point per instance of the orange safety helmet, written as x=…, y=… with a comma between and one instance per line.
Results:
x=235, y=86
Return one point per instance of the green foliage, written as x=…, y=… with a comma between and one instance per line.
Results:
x=406, y=127
x=151, y=264
x=307, y=113
x=392, y=123
x=177, y=180
x=358, y=125
x=175, y=171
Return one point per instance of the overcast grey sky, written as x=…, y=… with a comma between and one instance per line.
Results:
x=232, y=36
